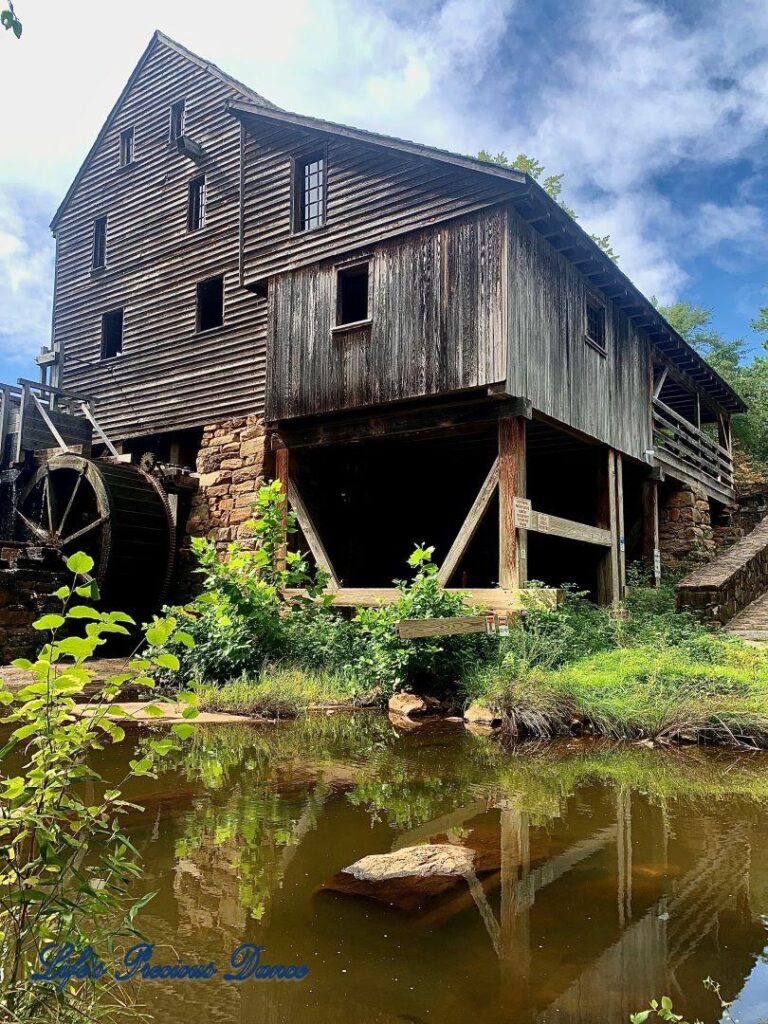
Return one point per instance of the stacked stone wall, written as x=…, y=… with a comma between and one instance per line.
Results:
x=686, y=534
x=28, y=578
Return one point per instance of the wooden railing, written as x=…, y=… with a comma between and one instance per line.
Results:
x=684, y=447
x=10, y=403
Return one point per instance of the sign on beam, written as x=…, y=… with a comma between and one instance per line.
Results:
x=521, y=510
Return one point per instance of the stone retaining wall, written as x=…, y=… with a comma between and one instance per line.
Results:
x=716, y=592
x=685, y=527
x=28, y=578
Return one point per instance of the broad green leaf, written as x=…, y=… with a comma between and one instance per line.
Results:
x=48, y=622
x=80, y=563
x=182, y=730
x=82, y=611
x=167, y=660
x=153, y=711
x=62, y=593
x=23, y=663
x=13, y=787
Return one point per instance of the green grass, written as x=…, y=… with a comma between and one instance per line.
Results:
x=708, y=690
x=283, y=691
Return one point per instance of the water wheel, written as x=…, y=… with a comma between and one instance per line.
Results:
x=116, y=513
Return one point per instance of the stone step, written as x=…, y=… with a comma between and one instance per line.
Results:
x=752, y=622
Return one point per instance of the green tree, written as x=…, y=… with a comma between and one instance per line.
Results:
x=552, y=185
x=9, y=19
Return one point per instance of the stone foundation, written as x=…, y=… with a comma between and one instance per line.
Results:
x=28, y=578
x=685, y=527
x=234, y=460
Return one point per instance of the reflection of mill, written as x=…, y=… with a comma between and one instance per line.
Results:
x=651, y=947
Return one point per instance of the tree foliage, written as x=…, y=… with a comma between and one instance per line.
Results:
x=10, y=20
x=552, y=185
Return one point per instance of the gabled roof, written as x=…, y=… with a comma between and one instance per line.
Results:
x=158, y=39
x=549, y=219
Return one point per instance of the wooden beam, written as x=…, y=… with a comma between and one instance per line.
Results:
x=490, y=598
x=512, y=542
x=311, y=535
x=620, y=527
x=470, y=524
x=281, y=474
x=570, y=529
x=408, y=629
x=608, y=586
x=651, y=524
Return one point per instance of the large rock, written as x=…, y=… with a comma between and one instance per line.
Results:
x=413, y=862
x=408, y=704
x=479, y=714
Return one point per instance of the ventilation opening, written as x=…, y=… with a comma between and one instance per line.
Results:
x=352, y=295
x=210, y=303
x=112, y=334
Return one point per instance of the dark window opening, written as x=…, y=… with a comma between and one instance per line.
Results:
x=595, y=328
x=112, y=334
x=196, y=203
x=126, y=147
x=99, y=257
x=310, y=193
x=210, y=303
x=352, y=295
x=176, y=129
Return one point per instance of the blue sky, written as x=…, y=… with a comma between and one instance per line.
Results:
x=656, y=112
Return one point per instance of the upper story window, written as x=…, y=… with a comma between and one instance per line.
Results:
x=196, y=203
x=309, y=192
x=594, y=327
x=126, y=147
x=352, y=295
x=112, y=334
x=210, y=303
x=177, y=119
x=99, y=253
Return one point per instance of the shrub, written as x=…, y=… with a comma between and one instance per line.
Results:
x=383, y=658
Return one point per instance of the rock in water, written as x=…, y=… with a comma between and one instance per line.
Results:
x=410, y=704
x=413, y=862
x=478, y=714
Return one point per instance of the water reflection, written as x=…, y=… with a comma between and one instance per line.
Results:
x=601, y=875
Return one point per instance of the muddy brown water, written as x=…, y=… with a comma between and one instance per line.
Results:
x=603, y=875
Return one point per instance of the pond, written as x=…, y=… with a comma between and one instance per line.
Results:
x=594, y=876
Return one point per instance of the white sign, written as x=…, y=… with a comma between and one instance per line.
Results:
x=521, y=510
x=542, y=522
x=657, y=563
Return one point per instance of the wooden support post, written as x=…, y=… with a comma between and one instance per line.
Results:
x=282, y=474
x=620, y=526
x=608, y=579
x=311, y=535
x=513, y=543
x=651, y=526
x=470, y=525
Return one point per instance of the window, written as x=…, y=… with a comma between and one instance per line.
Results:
x=210, y=303
x=176, y=127
x=595, y=323
x=112, y=334
x=196, y=204
x=309, y=192
x=99, y=255
x=126, y=147
x=352, y=294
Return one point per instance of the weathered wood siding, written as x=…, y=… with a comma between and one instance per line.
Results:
x=550, y=363
x=438, y=323
x=168, y=376
x=372, y=194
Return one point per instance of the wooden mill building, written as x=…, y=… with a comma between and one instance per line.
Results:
x=425, y=347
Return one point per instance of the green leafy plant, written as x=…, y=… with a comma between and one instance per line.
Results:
x=663, y=1009
x=10, y=20
x=238, y=620
x=67, y=868
x=383, y=658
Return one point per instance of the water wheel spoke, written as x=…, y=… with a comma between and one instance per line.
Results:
x=71, y=501
x=37, y=530
x=48, y=489
x=85, y=529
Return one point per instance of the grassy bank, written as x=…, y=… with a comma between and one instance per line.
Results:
x=284, y=692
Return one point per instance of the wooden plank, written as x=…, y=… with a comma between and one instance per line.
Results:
x=408, y=629
x=311, y=535
x=570, y=529
x=512, y=542
x=608, y=570
x=470, y=524
x=282, y=465
x=492, y=598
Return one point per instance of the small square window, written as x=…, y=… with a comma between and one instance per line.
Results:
x=196, y=204
x=112, y=334
x=210, y=303
x=178, y=117
x=309, y=192
x=126, y=147
x=595, y=323
x=352, y=294
x=99, y=251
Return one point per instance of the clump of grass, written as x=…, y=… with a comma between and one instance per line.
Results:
x=706, y=690
x=283, y=691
